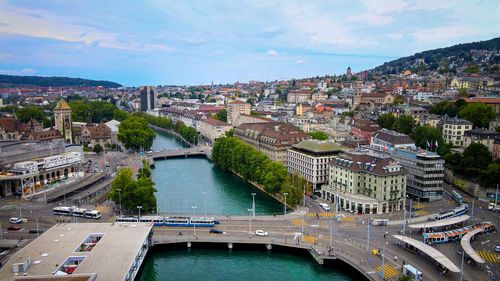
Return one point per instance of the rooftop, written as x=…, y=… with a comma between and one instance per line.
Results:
x=392, y=137
x=49, y=251
x=317, y=146
x=215, y=122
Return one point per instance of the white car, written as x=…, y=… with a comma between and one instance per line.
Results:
x=325, y=206
x=260, y=232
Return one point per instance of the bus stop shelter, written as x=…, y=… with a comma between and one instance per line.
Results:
x=440, y=223
x=431, y=252
x=465, y=242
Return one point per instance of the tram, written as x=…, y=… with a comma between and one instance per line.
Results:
x=76, y=212
x=455, y=212
x=456, y=234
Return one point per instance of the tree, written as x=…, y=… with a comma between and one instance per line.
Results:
x=133, y=193
x=386, y=120
x=318, y=135
x=32, y=112
x=404, y=124
x=462, y=92
x=424, y=134
x=478, y=113
x=97, y=148
x=221, y=115
x=476, y=157
x=497, y=129
x=80, y=111
x=489, y=177
x=120, y=115
x=254, y=113
x=444, y=107
x=135, y=133
x=229, y=133
x=404, y=278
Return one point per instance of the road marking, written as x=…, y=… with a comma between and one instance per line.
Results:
x=298, y=222
x=310, y=214
x=310, y=239
x=103, y=209
x=348, y=224
x=347, y=219
x=488, y=256
x=389, y=271
x=421, y=213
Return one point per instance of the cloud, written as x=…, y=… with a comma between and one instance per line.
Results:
x=299, y=61
x=445, y=33
x=25, y=71
x=272, y=53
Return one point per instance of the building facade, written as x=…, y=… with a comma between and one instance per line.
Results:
x=149, y=98
x=480, y=135
x=366, y=184
x=235, y=108
x=62, y=118
x=271, y=138
x=385, y=140
x=213, y=129
x=311, y=158
x=454, y=130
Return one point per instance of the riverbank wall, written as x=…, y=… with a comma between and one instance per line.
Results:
x=171, y=132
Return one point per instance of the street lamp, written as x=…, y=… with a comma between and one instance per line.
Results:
x=285, y=193
x=304, y=195
x=383, y=262
x=205, y=202
x=139, y=207
x=120, y=199
x=194, y=224
x=253, y=205
x=250, y=222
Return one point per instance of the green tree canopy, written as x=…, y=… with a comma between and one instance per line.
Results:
x=32, y=112
x=444, y=107
x=221, y=115
x=386, y=120
x=478, y=113
x=476, y=157
x=97, y=148
x=404, y=124
x=318, y=135
x=120, y=115
x=134, y=193
x=135, y=133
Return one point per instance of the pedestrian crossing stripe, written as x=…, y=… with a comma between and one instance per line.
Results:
x=488, y=256
x=349, y=224
x=347, y=219
x=103, y=209
x=310, y=214
x=298, y=222
x=310, y=239
x=421, y=213
x=388, y=272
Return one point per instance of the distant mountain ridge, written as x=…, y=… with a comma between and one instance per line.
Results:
x=55, y=81
x=433, y=59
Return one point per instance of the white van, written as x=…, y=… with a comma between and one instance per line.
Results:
x=325, y=206
x=15, y=220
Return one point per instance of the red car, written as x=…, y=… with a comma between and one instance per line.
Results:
x=14, y=228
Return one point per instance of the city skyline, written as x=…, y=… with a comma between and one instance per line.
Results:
x=192, y=43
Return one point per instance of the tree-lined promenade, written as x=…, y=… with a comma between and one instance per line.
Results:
x=188, y=133
x=230, y=153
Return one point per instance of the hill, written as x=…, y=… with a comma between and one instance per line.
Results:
x=29, y=81
x=444, y=59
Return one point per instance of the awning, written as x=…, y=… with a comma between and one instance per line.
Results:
x=465, y=242
x=441, y=223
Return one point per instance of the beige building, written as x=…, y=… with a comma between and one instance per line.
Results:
x=62, y=117
x=213, y=129
x=299, y=96
x=454, y=129
x=235, y=108
x=480, y=135
x=311, y=158
x=366, y=184
x=271, y=138
x=248, y=118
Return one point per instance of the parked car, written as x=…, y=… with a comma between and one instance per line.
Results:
x=14, y=227
x=325, y=206
x=260, y=232
x=34, y=231
x=497, y=248
x=313, y=197
x=15, y=220
x=216, y=230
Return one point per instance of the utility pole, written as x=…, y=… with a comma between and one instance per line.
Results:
x=304, y=195
x=337, y=207
x=253, y=205
x=496, y=196
x=250, y=222
x=285, y=202
x=368, y=239
x=120, y=199
x=462, y=269
x=383, y=263
x=194, y=224
x=472, y=209
x=404, y=222
x=139, y=207
x=205, y=202
x=411, y=204
x=331, y=230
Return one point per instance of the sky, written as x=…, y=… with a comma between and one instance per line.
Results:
x=155, y=42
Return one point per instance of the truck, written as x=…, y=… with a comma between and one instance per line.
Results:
x=493, y=207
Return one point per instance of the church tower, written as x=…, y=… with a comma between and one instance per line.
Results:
x=62, y=117
x=358, y=85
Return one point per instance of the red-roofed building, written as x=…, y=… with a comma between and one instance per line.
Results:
x=495, y=102
x=213, y=129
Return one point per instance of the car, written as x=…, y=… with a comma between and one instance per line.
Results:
x=325, y=206
x=35, y=230
x=260, y=232
x=14, y=227
x=497, y=248
x=15, y=220
x=313, y=197
x=216, y=230
x=308, y=194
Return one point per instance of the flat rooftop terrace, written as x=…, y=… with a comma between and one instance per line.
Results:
x=107, y=249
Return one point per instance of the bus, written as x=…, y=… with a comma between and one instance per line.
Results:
x=76, y=212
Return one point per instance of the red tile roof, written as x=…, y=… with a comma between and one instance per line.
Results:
x=215, y=122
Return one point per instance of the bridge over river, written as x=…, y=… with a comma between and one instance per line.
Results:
x=198, y=151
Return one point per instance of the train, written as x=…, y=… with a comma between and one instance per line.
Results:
x=455, y=212
x=171, y=221
x=457, y=197
x=456, y=234
x=76, y=212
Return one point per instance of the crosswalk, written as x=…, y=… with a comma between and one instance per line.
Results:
x=389, y=271
x=103, y=209
x=347, y=219
x=310, y=239
x=298, y=222
x=348, y=224
x=488, y=256
x=310, y=214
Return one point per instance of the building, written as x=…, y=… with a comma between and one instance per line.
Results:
x=377, y=98
x=386, y=140
x=235, y=108
x=358, y=86
x=213, y=129
x=249, y=118
x=149, y=98
x=495, y=102
x=44, y=135
x=271, y=138
x=425, y=172
x=454, y=129
x=84, y=251
x=480, y=135
x=299, y=96
x=11, y=128
x=62, y=118
x=310, y=159
x=349, y=72
x=113, y=125
x=437, y=84
x=496, y=148
x=363, y=128
x=92, y=134
x=366, y=184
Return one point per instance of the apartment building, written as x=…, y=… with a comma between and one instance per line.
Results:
x=235, y=108
x=454, y=129
x=385, y=140
x=311, y=158
x=366, y=184
x=213, y=129
x=480, y=135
